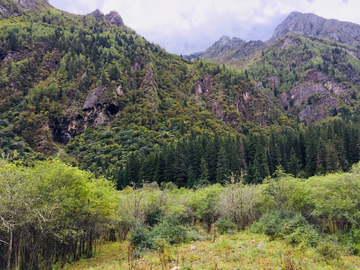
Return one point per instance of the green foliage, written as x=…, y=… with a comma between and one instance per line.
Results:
x=225, y=225
x=287, y=224
x=141, y=238
x=329, y=251
x=170, y=230
x=51, y=205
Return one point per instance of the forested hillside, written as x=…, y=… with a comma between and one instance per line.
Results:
x=92, y=90
x=103, y=133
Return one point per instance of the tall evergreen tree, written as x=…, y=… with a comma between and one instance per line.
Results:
x=294, y=164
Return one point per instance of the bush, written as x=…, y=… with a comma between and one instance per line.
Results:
x=304, y=235
x=225, y=225
x=141, y=238
x=329, y=251
x=170, y=230
x=287, y=224
x=154, y=216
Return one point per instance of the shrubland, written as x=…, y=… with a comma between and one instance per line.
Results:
x=284, y=223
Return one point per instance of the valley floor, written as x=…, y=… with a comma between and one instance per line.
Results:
x=239, y=251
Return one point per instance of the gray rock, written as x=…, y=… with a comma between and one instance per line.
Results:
x=93, y=98
x=309, y=24
x=98, y=15
x=230, y=49
x=114, y=18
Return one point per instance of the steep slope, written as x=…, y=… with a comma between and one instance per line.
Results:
x=309, y=68
x=67, y=79
x=229, y=51
x=226, y=49
x=312, y=78
x=16, y=7
x=309, y=24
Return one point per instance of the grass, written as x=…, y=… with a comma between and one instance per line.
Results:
x=239, y=251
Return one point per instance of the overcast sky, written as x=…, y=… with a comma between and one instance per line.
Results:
x=186, y=26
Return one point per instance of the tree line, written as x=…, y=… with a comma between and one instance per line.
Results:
x=208, y=159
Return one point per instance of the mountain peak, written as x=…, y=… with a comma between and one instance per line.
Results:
x=114, y=18
x=309, y=24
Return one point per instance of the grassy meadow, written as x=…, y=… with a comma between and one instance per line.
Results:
x=243, y=250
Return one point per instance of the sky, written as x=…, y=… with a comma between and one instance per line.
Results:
x=187, y=26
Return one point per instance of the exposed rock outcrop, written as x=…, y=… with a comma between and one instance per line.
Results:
x=98, y=15
x=203, y=86
x=113, y=18
x=228, y=49
x=309, y=24
x=319, y=93
x=98, y=109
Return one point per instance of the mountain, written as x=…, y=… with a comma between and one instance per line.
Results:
x=229, y=51
x=226, y=49
x=312, y=25
x=68, y=79
x=309, y=68
x=91, y=90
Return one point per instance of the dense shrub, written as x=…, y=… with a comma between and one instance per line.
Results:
x=225, y=225
x=287, y=224
x=141, y=237
x=170, y=230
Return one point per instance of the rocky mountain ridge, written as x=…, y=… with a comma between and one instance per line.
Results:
x=228, y=49
x=113, y=18
x=308, y=24
x=304, y=24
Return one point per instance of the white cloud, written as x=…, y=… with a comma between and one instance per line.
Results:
x=185, y=26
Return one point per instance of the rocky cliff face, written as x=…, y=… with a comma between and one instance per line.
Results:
x=99, y=107
x=306, y=25
x=312, y=25
x=113, y=18
x=226, y=49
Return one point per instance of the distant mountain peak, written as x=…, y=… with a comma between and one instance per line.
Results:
x=309, y=24
x=227, y=48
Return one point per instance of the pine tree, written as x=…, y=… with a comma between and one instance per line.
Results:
x=132, y=169
x=321, y=157
x=179, y=166
x=332, y=160
x=311, y=151
x=340, y=150
x=274, y=152
x=294, y=164
x=261, y=157
x=159, y=175
x=204, y=170
x=222, y=172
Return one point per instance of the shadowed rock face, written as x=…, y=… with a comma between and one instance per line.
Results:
x=97, y=110
x=312, y=25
